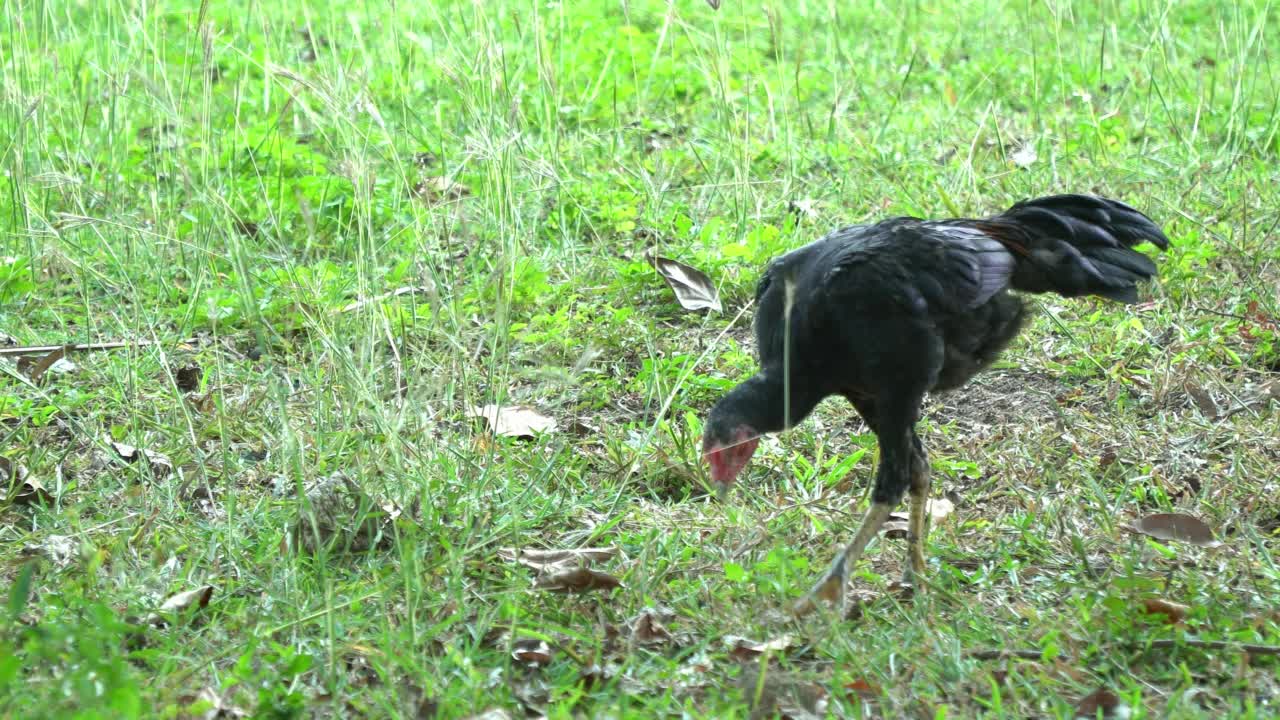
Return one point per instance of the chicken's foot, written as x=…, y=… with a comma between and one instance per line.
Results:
x=832, y=585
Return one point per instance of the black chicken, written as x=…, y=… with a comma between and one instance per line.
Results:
x=884, y=313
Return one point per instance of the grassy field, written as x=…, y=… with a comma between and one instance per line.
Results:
x=325, y=232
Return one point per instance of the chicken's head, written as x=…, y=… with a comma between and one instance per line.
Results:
x=727, y=449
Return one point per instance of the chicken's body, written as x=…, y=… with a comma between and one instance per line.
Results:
x=882, y=314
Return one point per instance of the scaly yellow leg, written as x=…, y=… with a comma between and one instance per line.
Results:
x=918, y=522
x=831, y=587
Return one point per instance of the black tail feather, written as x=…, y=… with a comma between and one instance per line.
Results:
x=1077, y=245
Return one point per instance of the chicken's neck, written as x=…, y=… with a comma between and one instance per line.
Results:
x=767, y=404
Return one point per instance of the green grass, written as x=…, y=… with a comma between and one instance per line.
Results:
x=226, y=179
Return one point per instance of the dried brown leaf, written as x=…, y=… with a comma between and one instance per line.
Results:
x=35, y=369
x=188, y=377
x=248, y=228
x=864, y=689
x=1107, y=458
x=203, y=404
x=557, y=559
x=577, y=580
x=1177, y=527
x=29, y=491
x=435, y=190
x=160, y=465
x=1172, y=612
x=406, y=290
x=1204, y=401
x=1100, y=699
x=745, y=650
x=647, y=630
x=895, y=529
x=595, y=675
x=515, y=421
x=19, y=487
x=692, y=287
x=532, y=652
x=338, y=512
x=180, y=602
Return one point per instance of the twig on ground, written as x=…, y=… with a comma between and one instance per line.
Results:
x=46, y=349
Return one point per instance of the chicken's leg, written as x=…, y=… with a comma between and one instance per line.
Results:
x=918, y=525
x=894, y=429
x=831, y=587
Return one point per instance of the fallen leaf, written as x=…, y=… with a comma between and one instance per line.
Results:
x=693, y=289
x=247, y=228
x=654, y=141
x=806, y=208
x=1203, y=400
x=188, y=378
x=647, y=630
x=557, y=559
x=577, y=580
x=361, y=672
x=1172, y=612
x=35, y=369
x=30, y=492
x=1100, y=699
x=939, y=508
x=1025, y=156
x=532, y=652
x=160, y=465
x=595, y=676
x=895, y=529
x=19, y=487
x=191, y=598
x=57, y=549
x=203, y=404
x=407, y=290
x=435, y=190
x=863, y=689
x=745, y=650
x=534, y=693
x=337, y=512
x=181, y=603
x=515, y=421
x=1107, y=459
x=1176, y=526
